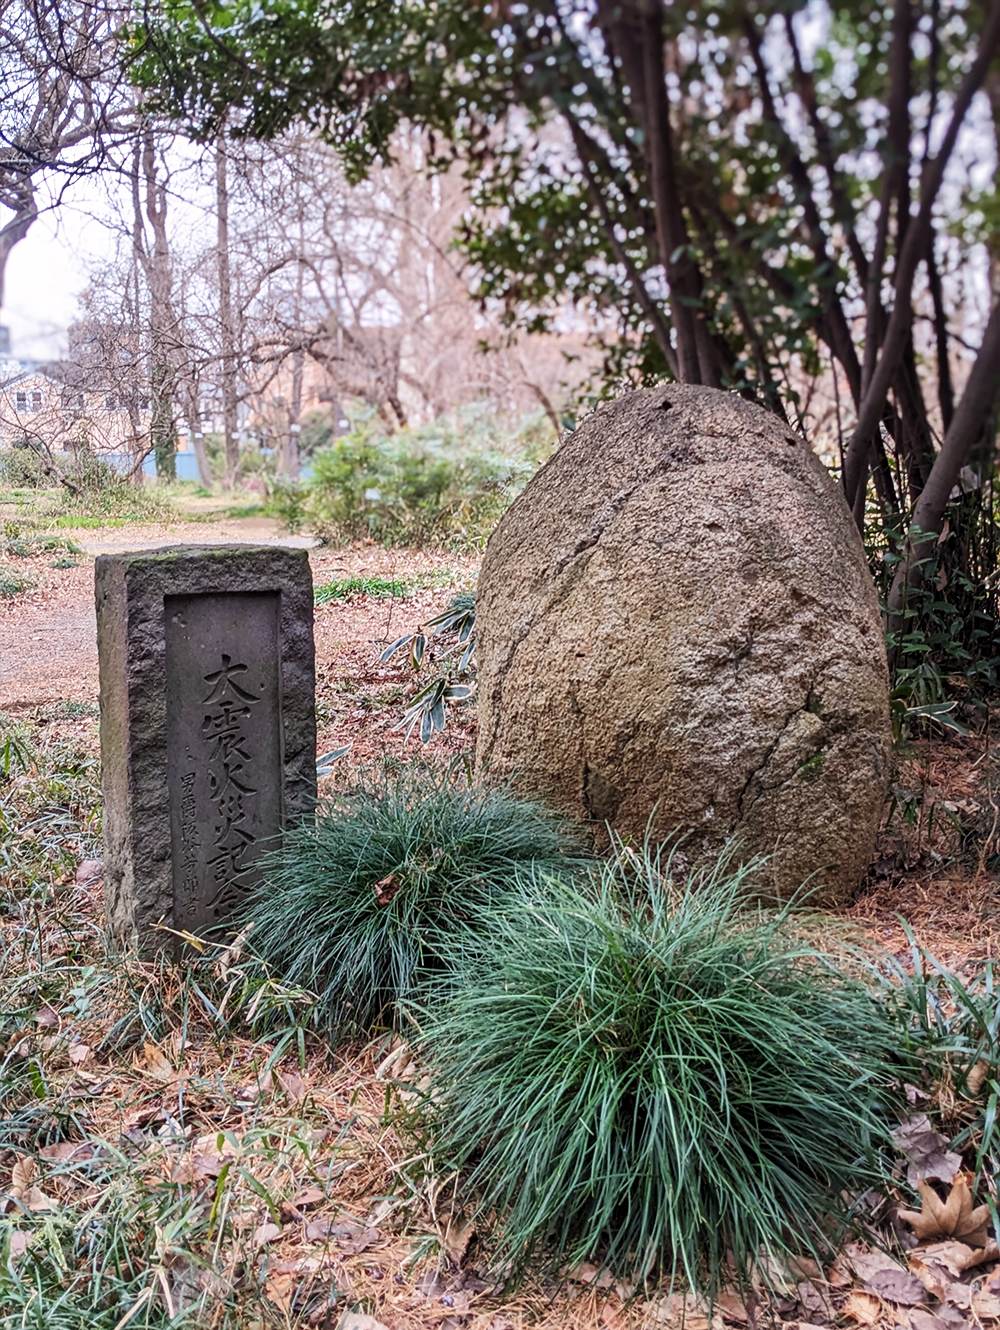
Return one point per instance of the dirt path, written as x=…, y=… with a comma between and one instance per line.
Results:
x=48, y=635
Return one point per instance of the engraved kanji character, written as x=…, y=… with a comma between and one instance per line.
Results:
x=222, y=682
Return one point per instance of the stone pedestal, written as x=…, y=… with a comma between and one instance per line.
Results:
x=208, y=729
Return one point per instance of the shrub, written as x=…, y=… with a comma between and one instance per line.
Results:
x=438, y=485
x=384, y=892
x=21, y=468
x=943, y=661
x=655, y=1076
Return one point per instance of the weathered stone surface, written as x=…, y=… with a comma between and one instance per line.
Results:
x=675, y=620
x=208, y=729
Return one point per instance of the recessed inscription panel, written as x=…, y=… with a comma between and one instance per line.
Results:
x=223, y=674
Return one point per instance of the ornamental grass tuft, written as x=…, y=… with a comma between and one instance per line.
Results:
x=655, y=1075
x=384, y=895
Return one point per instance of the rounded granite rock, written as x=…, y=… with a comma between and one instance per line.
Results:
x=677, y=630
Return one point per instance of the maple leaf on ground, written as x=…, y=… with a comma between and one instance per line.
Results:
x=953, y=1218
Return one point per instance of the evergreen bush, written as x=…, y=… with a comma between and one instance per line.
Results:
x=384, y=894
x=448, y=483
x=654, y=1075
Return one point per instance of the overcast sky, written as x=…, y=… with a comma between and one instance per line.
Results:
x=45, y=274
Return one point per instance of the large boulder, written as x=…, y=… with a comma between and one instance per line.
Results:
x=677, y=628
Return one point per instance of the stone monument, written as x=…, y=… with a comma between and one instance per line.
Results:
x=677, y=628
x=208, y=729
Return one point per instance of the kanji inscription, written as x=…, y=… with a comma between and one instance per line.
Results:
x=223, y=676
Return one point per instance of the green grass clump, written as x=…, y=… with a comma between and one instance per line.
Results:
x=13, y=583
x=384, y=893
x=22, y=540
x=653, y=1075
x=342, y=588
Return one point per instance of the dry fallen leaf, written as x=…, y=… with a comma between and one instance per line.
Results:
x=360, y=1242
x=897, y=1285
x=304, y=1200
x=945, y=1318
x=456, y=1239
x=986, y=1305
x=956, y=1257
x=865, y=1264
x=953, y=1218
x=976, y=1077
x=815, y=1299
x=46, y=1018
x=935, y=1278
x=63, y=1151
x=837, y=1276
x=386, y=889
x=862, y=1308
x=926, y=1151
x=587, y=1273
x=361, y=1321
x=959, y=1295
x=293, y=1086
x=23, y=1189
x=157, y=1063
x=78, y=1054
x=264, y=1233
x=732, y=1307
x=197, y=1168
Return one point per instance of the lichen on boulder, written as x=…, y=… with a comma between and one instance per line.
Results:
x=677, y=629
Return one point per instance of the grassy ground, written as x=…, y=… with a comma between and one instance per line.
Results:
x=176, y=1149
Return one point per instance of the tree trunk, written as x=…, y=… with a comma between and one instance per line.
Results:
x=971, y=416
x=295, y=414
x=634, y=33
x=912, y=251
x=230, y=422
x=161, y=331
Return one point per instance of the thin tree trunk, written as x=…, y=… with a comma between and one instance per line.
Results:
x=198, y=442
x=295, y=414
x=635, y=34
x=914, y=247
x=230, y=421
x=161, y=332
x=971, y=416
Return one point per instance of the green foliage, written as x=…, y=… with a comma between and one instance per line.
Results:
x=649, y=1072
x=417, y=487
x=949, y=1044
x=21, y=467
x=945, y=660
x=50, y=812
x=23, y=540
x=286, y=500
x=343, y=588
x=13, y=582
x=382, y=895
x=545, y=230
x=456, y=627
